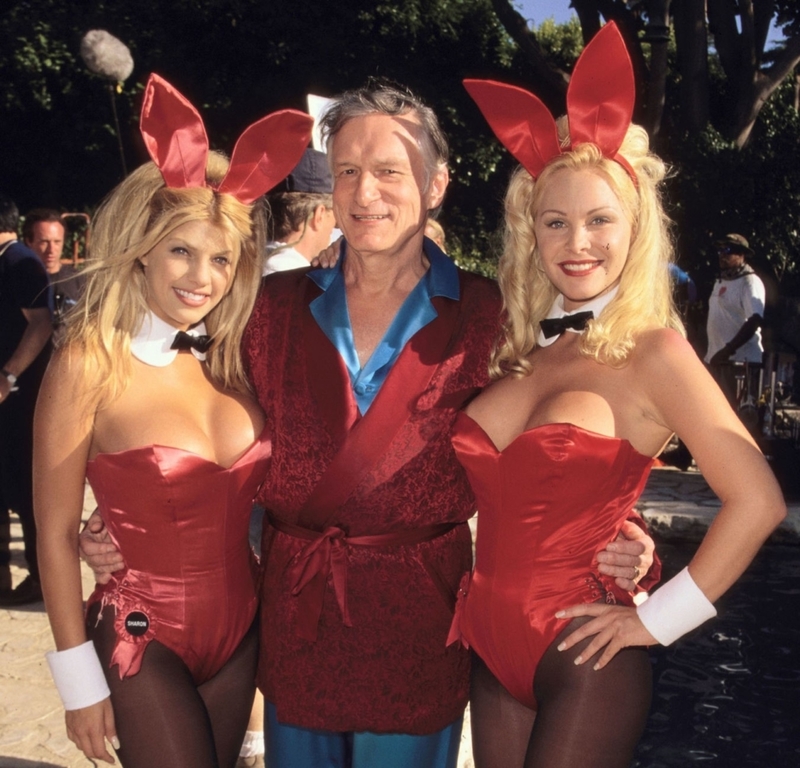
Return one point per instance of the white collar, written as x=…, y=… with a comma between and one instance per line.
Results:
x=596, y=306
x=152, y=344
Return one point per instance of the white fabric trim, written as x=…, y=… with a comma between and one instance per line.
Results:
x=78, y=676
x=675, y=609
x=596, y=306
x=253, y=744
x=283, y=258
x=152, y=344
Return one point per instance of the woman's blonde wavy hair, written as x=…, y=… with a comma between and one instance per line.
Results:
x=644, y=299
x=137, y=214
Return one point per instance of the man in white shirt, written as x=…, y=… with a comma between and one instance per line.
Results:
x=301, y=214
x=735, y=315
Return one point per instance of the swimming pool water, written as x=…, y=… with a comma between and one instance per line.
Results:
x=728, y=695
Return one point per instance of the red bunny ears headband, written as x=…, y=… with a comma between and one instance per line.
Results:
x=600, y=99
x=176, y=139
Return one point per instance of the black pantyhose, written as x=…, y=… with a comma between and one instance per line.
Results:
x=163, y=718
x=586, y=719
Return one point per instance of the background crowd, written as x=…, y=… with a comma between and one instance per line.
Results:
x=748, y=301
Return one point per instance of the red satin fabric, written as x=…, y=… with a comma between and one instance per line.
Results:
x=520, y=120
x=600, y=99
x=602, y=94
x=174, y=135
x=547, y=504
x=390, y=671
x=181, y=523
x=176, y=140
x=325, y=555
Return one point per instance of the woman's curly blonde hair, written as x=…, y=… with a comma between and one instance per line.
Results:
x=136, y=215
x=644, y=299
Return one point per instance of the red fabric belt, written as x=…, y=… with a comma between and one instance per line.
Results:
x=326, y=554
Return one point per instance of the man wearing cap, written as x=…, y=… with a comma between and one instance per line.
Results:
x=735, y=315
x=301, y=214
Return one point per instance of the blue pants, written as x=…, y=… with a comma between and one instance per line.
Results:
x=288, y=746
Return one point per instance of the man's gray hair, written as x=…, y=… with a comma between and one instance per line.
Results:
x=291, y=211
x=385, y=99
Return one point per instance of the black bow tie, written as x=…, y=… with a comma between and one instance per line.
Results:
x=557, y=325
x=185, y=340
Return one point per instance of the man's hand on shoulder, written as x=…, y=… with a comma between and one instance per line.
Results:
x=328, y=258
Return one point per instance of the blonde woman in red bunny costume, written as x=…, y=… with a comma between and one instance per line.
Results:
x=147, y=399
x=592, y=378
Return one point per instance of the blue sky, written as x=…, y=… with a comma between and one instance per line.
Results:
x=539, y=10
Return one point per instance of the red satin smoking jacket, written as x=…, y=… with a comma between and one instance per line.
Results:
x=365, y=539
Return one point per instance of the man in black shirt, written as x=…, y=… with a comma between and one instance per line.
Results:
x=43, y=232
x=25, y=331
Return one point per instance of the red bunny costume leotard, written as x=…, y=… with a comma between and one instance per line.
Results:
x=547, y=504
x=181, y=523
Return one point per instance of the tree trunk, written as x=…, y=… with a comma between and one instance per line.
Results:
x=657, y=34
x=752, y=98
x=739, y=43
x=763, y=11
x=590, y=13
x=551, y=83
x=691, y=40
x=589, y=16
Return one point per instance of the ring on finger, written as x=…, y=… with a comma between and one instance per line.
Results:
x=636, y=572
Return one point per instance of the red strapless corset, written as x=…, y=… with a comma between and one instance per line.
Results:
x=181, y=523
x=547, y=504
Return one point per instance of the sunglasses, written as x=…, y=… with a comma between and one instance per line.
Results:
x=727, y=250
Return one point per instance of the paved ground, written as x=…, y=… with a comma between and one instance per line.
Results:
x=31, y=719
x=680, y=505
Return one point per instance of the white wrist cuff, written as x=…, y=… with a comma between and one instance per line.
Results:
x=675, y=609
x=78, y=676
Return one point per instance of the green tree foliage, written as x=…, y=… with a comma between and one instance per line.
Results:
x=738, y=32
x=717, y=188
x=52, y=144
x=238, y=60
x=720, y=107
